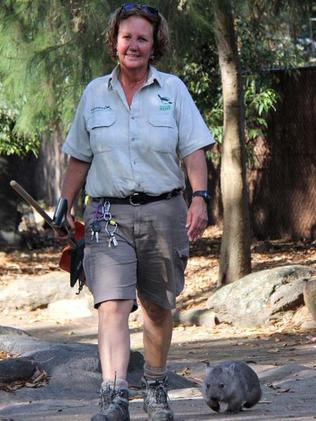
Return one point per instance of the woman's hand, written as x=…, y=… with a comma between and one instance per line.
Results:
x=61, y=234
x=74, y=179
x=197, y=218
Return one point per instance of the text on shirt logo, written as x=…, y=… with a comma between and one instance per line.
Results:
x=104, y=108
x=165, y=103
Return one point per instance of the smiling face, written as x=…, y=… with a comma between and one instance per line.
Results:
x=135, y=43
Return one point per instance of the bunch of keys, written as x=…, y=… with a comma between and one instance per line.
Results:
x=106, y=214
x=103, y=214
x=110, y=228
x=95, y=229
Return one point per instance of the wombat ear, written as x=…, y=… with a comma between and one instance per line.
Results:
x=231, y=370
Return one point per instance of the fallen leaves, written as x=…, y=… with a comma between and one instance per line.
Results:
x=5, y=355
x=279, y=389
x=17, y=262
x=273, y=351
x=184, y=372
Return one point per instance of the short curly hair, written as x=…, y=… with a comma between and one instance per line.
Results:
x=161, y=31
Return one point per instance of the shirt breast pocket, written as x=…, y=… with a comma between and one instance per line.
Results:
x=163, y=135
x=102, y=131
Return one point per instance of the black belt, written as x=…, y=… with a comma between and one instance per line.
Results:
x=138, y=198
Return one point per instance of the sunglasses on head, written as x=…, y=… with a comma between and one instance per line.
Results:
x=150, y=11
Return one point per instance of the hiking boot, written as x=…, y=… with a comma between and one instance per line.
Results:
x=113, y=403
x=156, y=400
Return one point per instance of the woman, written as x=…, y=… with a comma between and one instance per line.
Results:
x=130, y=131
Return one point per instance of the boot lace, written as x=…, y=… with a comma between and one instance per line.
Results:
x=157, y=394
x=113, y=400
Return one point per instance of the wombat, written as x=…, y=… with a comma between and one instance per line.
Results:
x=231, y=384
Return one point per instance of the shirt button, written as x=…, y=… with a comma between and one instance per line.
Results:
x=133, y=118
x=133, y=139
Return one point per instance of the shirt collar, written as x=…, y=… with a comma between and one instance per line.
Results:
x=113, y=79
x=153, y=76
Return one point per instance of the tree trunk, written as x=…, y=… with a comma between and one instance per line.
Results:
x=50, y=167
x=235, y=256
x=20, y=169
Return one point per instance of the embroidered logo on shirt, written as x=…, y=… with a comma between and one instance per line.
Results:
x=165, y=103
x=104, y=108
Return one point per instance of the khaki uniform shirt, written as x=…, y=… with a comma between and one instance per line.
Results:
x=136, y=148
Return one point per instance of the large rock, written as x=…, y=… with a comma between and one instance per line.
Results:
x=70, y=309
x=73, y=369
x=12, y=331
x=259, y=297
x=197, y=317
x=39, y=291
x=310, y=296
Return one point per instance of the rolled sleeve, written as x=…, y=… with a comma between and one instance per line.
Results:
x=77, y=143
x=193, y=132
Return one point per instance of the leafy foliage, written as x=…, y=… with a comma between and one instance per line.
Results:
x=259, y=101
x=11, y=142
x=268, y=34
x=50, y=49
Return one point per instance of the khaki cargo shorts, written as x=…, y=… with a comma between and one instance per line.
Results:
x=151, y=255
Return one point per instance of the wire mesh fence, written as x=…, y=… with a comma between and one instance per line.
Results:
x=283, y=187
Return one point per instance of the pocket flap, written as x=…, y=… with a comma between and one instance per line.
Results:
x=101, y=119
x=161, y=120
x=183, y=253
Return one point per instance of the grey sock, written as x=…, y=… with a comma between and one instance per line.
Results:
x=117, y=383
x=154, y=373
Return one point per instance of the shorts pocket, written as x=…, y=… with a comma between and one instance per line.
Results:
x=181, y=260
x=87, y=266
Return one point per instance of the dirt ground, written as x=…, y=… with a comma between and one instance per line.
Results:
x=265, y=348
x=202, y=269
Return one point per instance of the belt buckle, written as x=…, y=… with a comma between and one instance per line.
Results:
x=131, y=197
